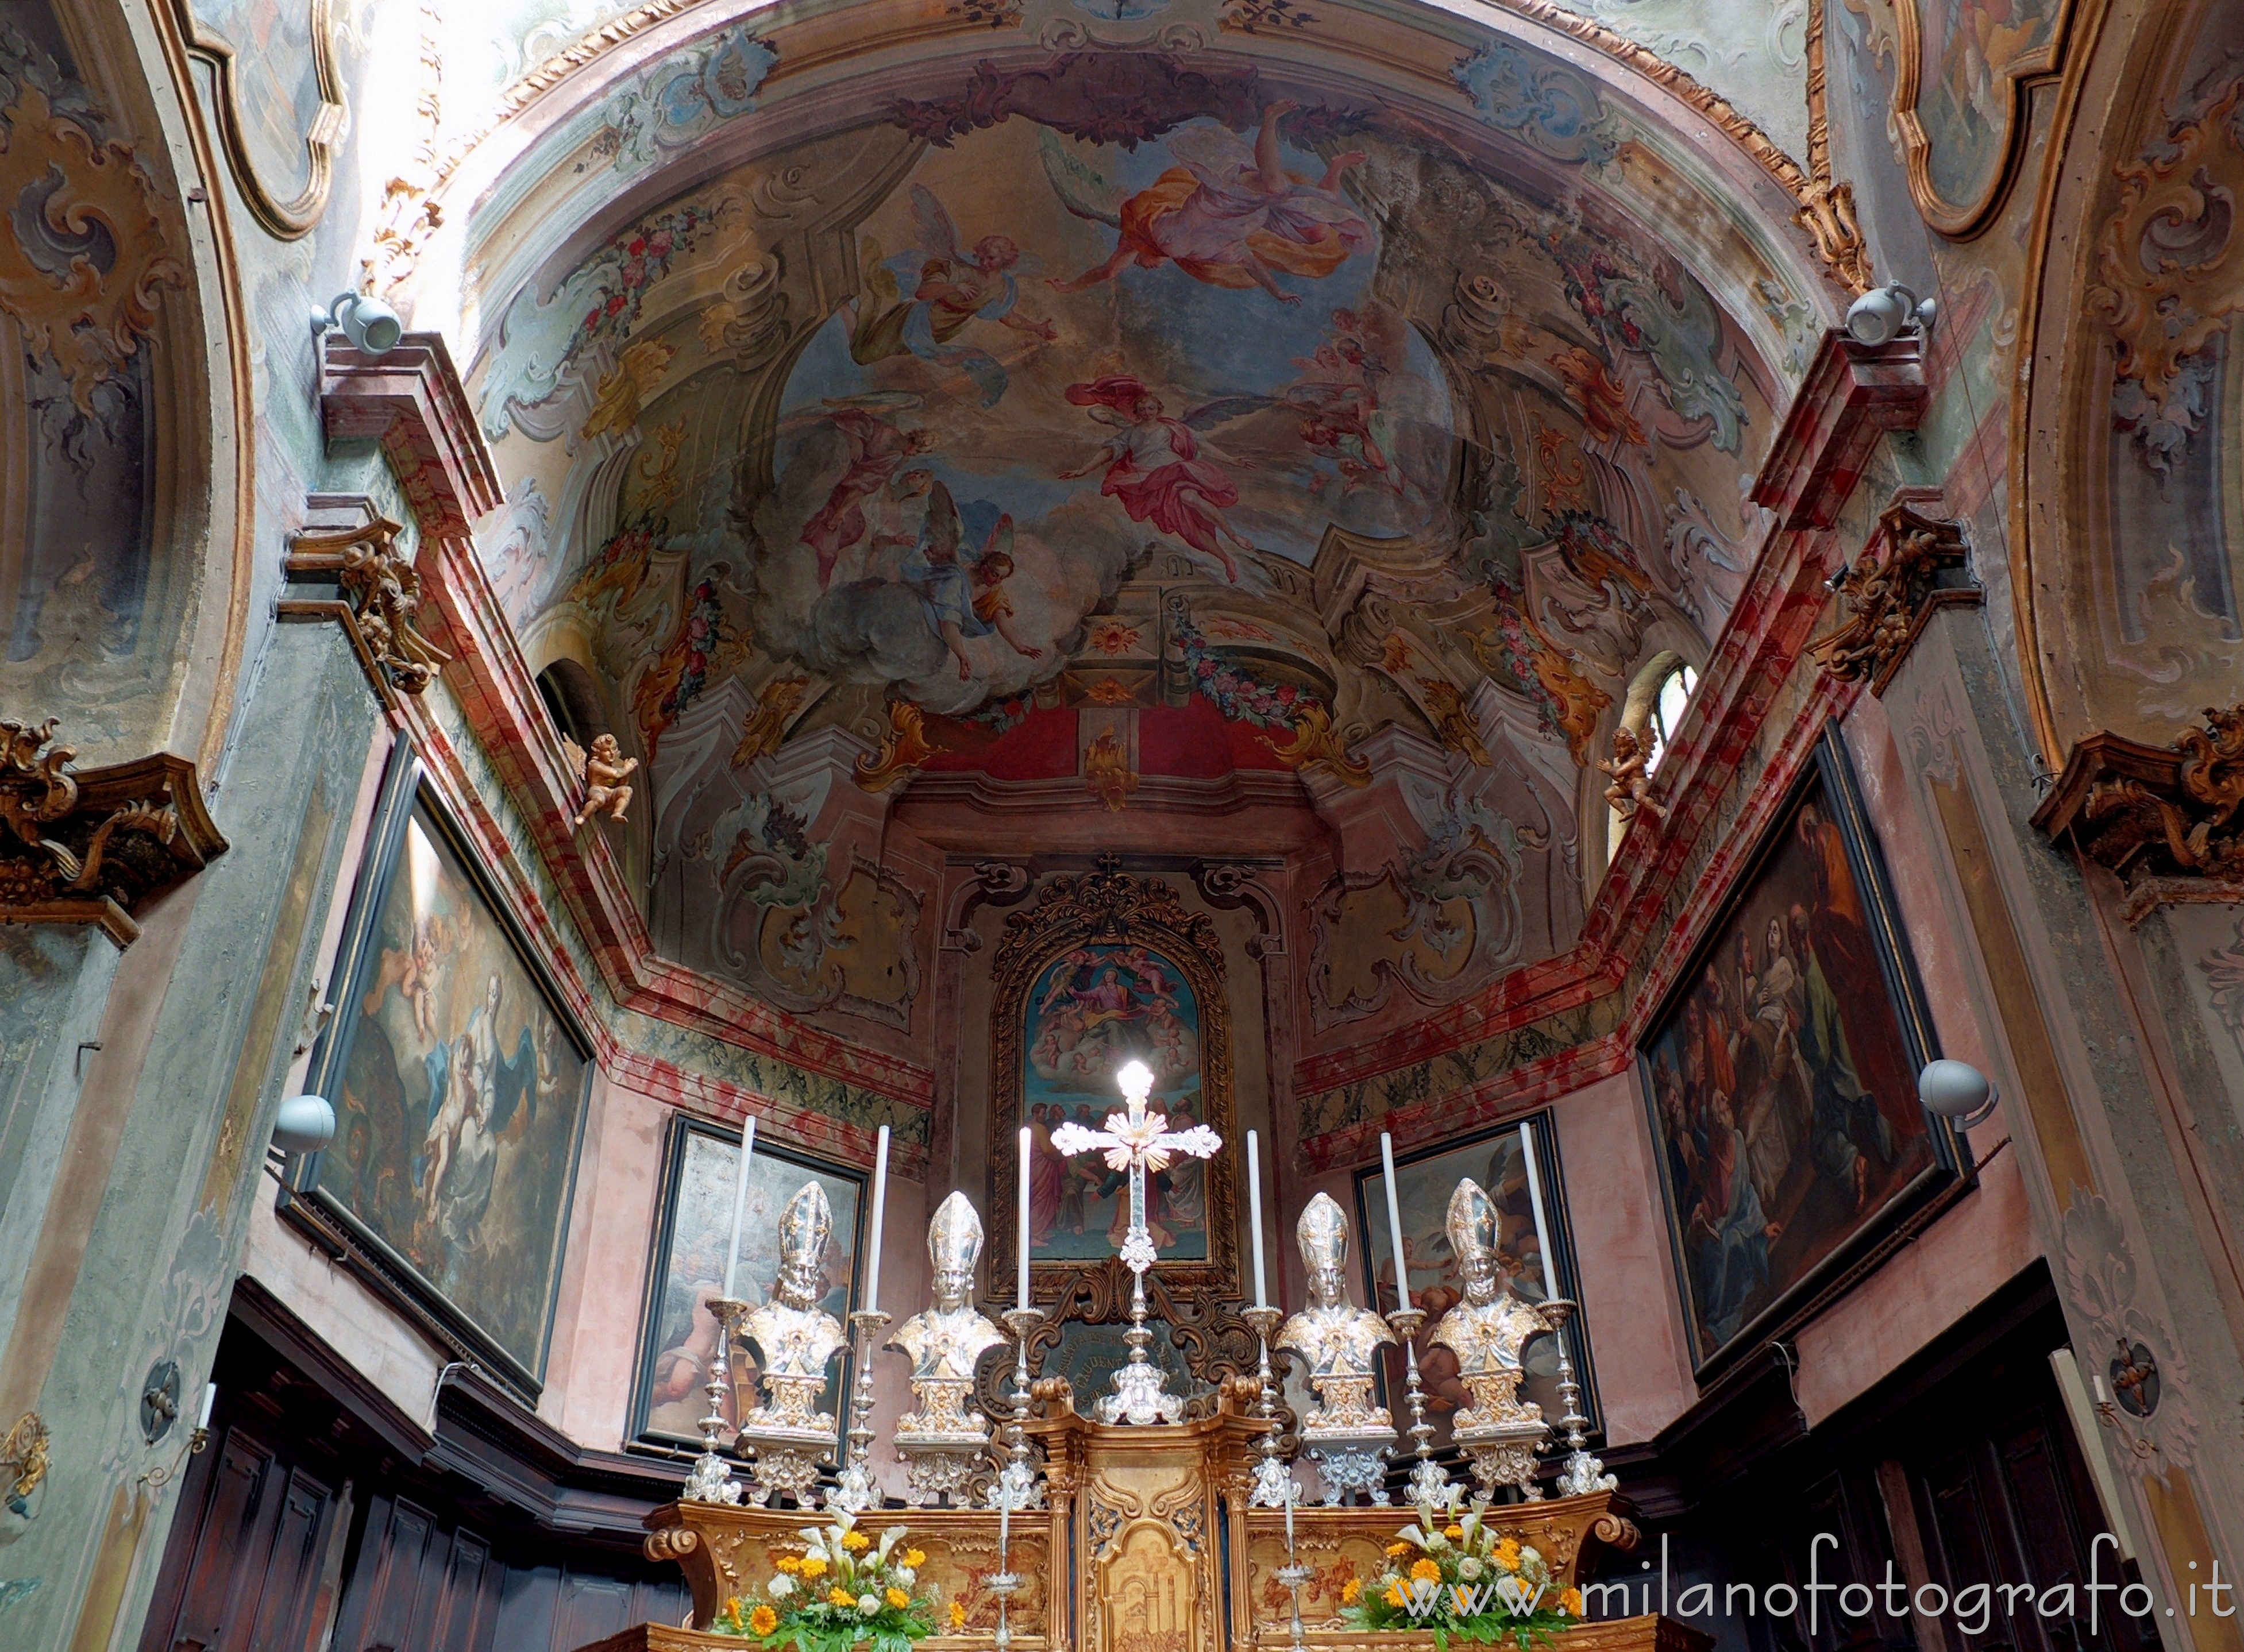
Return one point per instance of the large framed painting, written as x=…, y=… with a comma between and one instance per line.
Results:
x=1780, y=1073
x=1423, y=1182
x=459, y=1082
x=686, y=1268
x=1106, y=968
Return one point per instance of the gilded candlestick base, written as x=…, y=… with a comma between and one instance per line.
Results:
x=1018, y=1485
x=1583, y=1472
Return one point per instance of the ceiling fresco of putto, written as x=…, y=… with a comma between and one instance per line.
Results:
x=1101, y=402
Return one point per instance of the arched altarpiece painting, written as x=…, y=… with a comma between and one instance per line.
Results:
x=1093, y=938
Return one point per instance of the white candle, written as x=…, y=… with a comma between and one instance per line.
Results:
x=210, y=1396
x=880, y=1209
x=1254, y=1218
x=1535, y=1204
x=740, y=1203
x=1023, y=1292
x=1394, y=1224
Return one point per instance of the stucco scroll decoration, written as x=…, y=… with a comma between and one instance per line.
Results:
x=92, y=846
x=2169, y=279
x=2154, y=813
x=88, y=258
x=380, y=607
x=1891, y=593
x=292, y=219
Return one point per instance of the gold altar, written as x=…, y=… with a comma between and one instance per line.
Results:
x=1145, y=1545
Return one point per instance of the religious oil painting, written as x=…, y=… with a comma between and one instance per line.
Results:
x=1424, y=1183
x=459, y=1085
x=1780, y=1074
x=1960, y=69
x=1091, y=1012
x=686, y=1269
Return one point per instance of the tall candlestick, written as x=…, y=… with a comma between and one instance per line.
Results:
x=1023, y=1292
x=880, y=1210
x=1535, y=1204
x=1254, y=1218
x=1394, y=1224
x=740, y=1204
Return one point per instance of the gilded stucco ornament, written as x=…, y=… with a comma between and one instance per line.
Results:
x=2170, y=821
x=93, y=847
x=796, y=1338
x=381, y=604
x=942, y=1436
x=1891, y=593
x=1344, y=1433
x=1501, y=1434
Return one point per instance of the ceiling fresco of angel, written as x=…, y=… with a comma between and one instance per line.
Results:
x=1110, y=361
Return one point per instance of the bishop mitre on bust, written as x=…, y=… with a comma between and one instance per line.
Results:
x=1339, y=1341
x=944, y=1342
x=794, y=1336
x=1487, y=1330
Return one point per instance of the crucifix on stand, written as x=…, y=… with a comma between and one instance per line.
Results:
x=1138, y=1141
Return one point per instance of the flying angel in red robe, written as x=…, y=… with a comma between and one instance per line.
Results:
x=1229, y=215
x=1154, y=466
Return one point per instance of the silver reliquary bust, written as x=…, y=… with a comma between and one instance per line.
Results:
x=1344, y=1433
x=942, y=1437
x=794, y=1338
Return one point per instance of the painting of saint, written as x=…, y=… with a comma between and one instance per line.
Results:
x=459, y=1093
x=1089, y=1013
x=680, y=1334
x=1422, y=1189
x=1781, y=1079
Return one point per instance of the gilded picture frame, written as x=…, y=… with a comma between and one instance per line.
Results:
x=1778, y=1076
x=461, y=1082
x=1105, y=916
x=295, y=216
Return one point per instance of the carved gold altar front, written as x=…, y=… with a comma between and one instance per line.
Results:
x=1130, y=1554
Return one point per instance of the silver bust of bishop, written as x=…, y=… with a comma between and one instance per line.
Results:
x=942, y=1438
x=1501, y=1432
x=1344, y=1433
x=796, y=1338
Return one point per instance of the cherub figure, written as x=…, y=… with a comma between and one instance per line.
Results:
x=1631, y=785
x=964, y=601
x=954, y=286
x=603, y=771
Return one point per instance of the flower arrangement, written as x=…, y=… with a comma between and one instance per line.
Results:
x=1463, y=1579
x=842, y=1589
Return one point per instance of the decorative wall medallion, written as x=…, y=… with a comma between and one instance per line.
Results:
x=280, y=112
x=1960, y=80
x=93, y=847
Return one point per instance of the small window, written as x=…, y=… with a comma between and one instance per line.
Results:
x=1667, y=711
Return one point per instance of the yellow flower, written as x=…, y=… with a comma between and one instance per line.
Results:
x=855, y=1541
x=1463, y=1600
x=958, y=1614
x=790, y=1564
x=1425, y=1572
x=1394, y=1595
x=1398, y=1548
x=915, y=1558
x=1453, y=1532
x=1507, y=1554
x=1351, y=1591
x=813, y=1566
x=763, y=1620
x=1571, y=1602
x=840, y=1597
x=897, y=1598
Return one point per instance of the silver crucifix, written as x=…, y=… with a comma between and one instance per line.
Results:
x=1138, y=1141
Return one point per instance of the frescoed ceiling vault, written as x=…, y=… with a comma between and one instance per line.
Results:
x=1076, y=406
